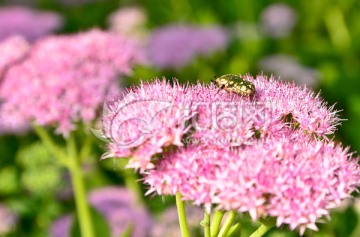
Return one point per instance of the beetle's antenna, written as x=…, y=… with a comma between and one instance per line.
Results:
x=212, y=80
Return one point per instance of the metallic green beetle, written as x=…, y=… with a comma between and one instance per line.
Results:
x=235, y=84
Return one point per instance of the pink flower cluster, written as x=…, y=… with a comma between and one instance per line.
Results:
x=269, y=155
x=12, y=50
x=27, y=22
x=148, y=119
x=174, y=46
x=294, y=181
x=64, y=79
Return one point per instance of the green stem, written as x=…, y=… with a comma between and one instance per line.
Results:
x=86, y=148
x=235, y=229
x=50, y=144
x=133, y=185
x=131, y=181
x=265, y=227
x=215, y=223
x=227, y=224
x=182, y=216
x=205, y=223
x=70, y=161
x=77, y=179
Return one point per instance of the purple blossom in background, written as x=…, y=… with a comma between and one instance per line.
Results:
x=174, y=46
x=65, y=79
x=117, y=206
x=8, y=220
x=270, y=155
x=61, y=227
x=288, y=68
x=29, y=23
x=278, y=20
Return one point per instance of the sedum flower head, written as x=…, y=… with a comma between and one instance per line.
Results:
x=269, y=155
x=64, y=79
x=307, y=110
x=148, y=119
x=294, y=181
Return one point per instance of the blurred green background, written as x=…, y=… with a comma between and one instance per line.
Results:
x=322, y=39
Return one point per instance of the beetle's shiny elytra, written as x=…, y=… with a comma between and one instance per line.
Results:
x=235, y=84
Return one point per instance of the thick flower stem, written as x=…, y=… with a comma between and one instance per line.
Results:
x=77, y=179
x=215, y=223
x=235, y=229
x=205, y=223
x=182, y=216
x=265, y=227
x=69, y=159
x=228, y=222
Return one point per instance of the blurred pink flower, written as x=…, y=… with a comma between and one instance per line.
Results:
x=174, y=46
x=31, y=24
x=65, y=79
x=12, y=50
x=277, y=20
x=129, y=21
x=8, y=220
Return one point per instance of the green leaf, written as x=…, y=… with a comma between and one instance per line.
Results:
x=9, y=180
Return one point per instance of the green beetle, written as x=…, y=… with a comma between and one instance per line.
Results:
x=235, y=84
